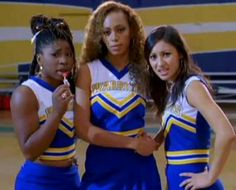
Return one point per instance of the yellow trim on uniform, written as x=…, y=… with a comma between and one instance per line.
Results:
x=67, y=131
x=179, y=124
x=130, y=132
x=119, y=103
x=60, y=150
x=188, y=118
x=42, y=118
x=187, y=152
x=188, y=161
x=119, y=114
x=68, y=122
x=65, y=157
x=132, y=106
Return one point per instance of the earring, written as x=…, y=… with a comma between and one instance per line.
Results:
x=40, y=70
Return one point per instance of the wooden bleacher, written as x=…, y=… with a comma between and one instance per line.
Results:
x=224, y=84
x=10, y=80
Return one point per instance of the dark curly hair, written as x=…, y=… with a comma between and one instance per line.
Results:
x=94, y=47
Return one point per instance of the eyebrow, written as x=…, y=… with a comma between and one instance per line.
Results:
x=118, y=25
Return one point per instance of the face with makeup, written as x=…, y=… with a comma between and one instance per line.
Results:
x=116, y=33
x=56, y=59
x=165, y=61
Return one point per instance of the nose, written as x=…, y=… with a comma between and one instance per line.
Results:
x=114, y=36
x=63, y=60
x=158, y=62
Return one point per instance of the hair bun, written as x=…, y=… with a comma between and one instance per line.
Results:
x=38, y=22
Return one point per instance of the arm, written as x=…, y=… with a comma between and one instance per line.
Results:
x=96, y=135
x=200, y=98
x=34, y=140
x=159, y=136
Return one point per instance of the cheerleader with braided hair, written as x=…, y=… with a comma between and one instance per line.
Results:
x=42, y=110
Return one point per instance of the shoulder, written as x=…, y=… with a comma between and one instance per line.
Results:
x=31, y=84
x=83, y=76
x=197, y=93
x=23, y=91
x=23, y=96
x=94, y=65
x=191, y=79
x=83, y=70
x=195, y=79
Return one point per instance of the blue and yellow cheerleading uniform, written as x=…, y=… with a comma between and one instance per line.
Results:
x=187, y=140
x=118, y=108
x=36, y=176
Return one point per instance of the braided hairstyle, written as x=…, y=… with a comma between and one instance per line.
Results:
x=47, y=31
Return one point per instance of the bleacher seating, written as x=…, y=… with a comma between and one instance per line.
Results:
x=224, y=84
x=23, y=72
x=9, y=81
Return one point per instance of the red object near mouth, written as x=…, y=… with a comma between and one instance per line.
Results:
x=66, y=74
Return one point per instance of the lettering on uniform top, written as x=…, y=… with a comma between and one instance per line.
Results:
x=176, y=109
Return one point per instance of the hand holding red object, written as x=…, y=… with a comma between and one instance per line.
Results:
x=65, y=75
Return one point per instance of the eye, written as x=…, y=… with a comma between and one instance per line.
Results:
x=152, y=57
x=166, y=54
x=120, y=29
x=56, y=54
x=106, y=32
x=69, y=54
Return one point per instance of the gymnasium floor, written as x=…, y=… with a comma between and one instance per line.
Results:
x=11, y=158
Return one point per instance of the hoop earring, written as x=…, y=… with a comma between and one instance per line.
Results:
x=40, y=70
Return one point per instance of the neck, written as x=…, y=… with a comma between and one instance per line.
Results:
x=52, y=82
x=119, y=62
